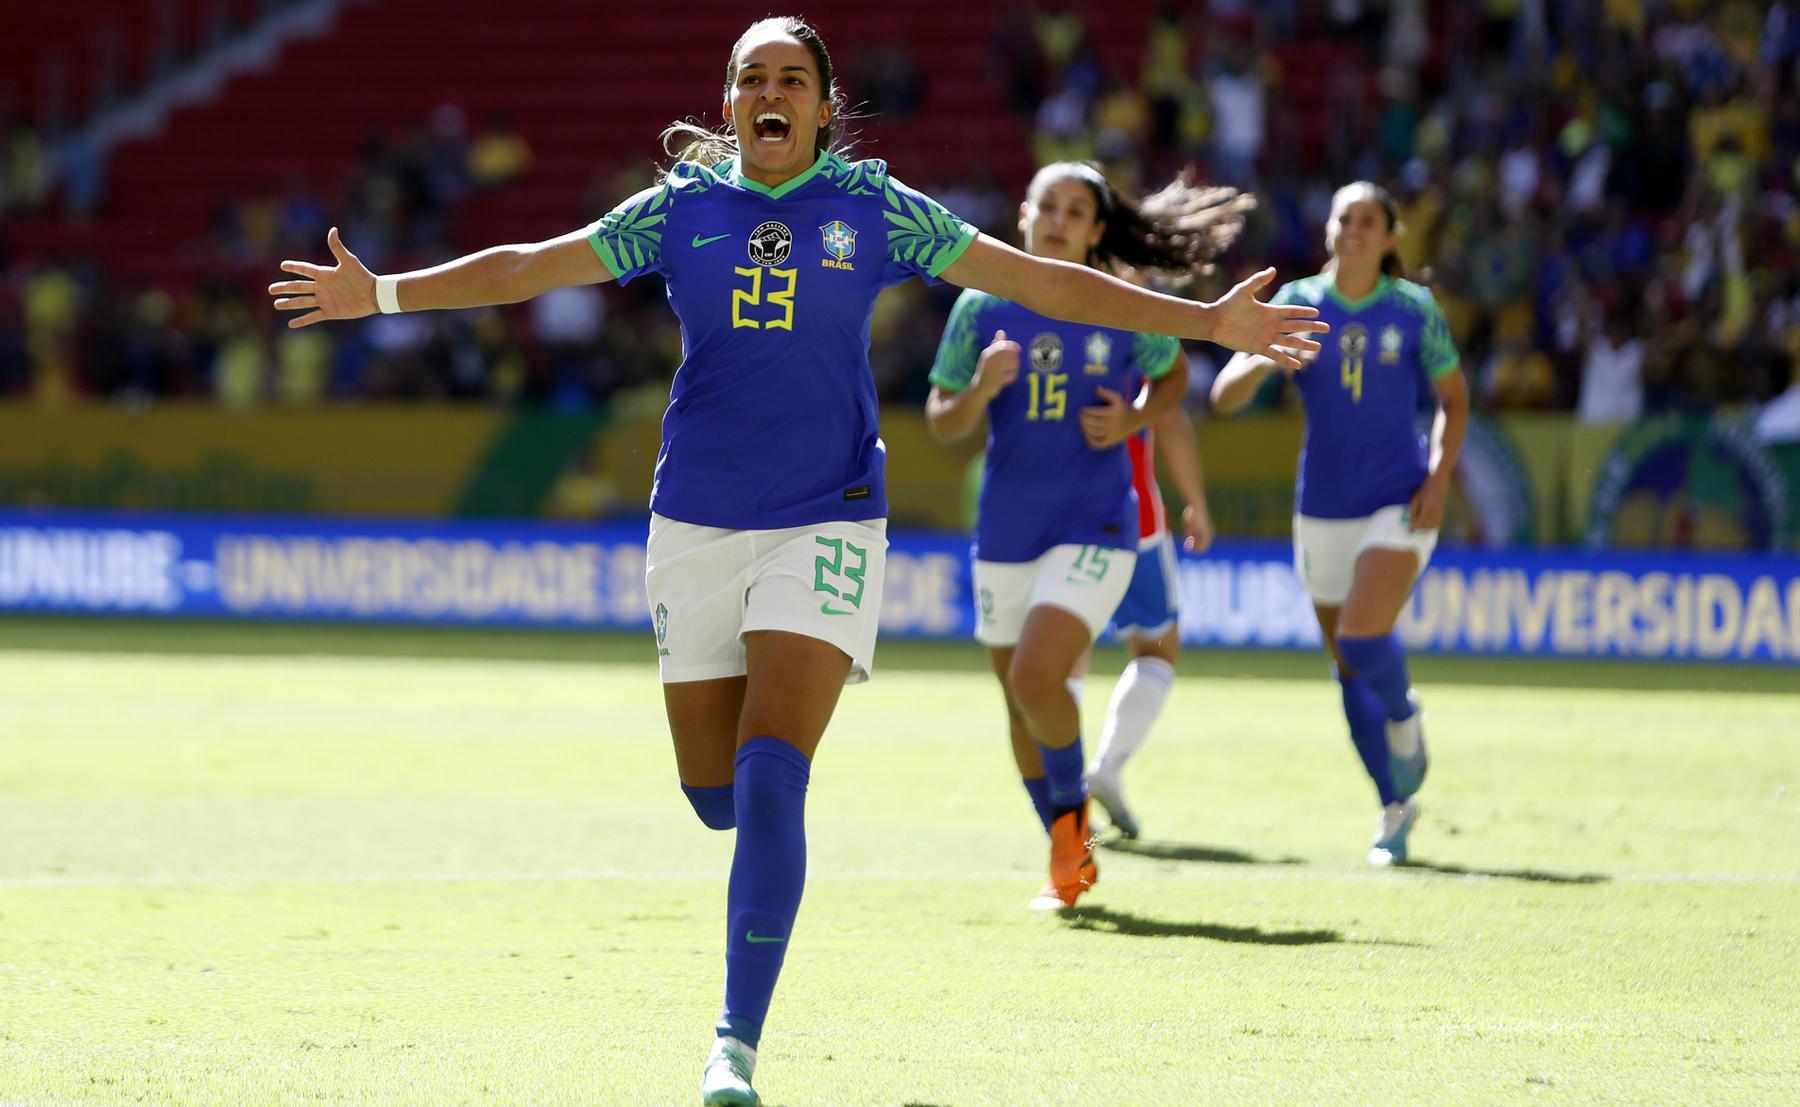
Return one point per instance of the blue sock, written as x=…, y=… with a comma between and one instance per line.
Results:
x=768, y=873
x=1381, y=665
x=1368, y=732
x=1038, y=788
x=716, y=806
x=1063, y=772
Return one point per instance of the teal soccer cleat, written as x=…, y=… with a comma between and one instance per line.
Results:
x=1389, y=847
x=1406, y=750
x=726, y=1081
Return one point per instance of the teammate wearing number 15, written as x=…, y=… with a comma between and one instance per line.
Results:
x=1056, y=537
x=768, y=513
x=1371, y=489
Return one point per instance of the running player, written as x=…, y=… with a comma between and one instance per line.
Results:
x=1056, y=535
x=1370, y=491
x=1147, y=616
x=768, y=513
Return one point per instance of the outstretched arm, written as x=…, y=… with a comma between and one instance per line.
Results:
x=500, y=275
x=1079, y=294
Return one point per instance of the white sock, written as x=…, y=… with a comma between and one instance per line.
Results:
x=1136, y=702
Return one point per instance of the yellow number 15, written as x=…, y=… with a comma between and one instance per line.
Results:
x=782, y=298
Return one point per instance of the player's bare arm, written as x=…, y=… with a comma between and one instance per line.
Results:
x=498, y=275
x=1079, y=294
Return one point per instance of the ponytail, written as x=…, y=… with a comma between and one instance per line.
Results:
x=1177, y=232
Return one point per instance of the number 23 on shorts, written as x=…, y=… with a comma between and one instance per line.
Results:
x=834, y=565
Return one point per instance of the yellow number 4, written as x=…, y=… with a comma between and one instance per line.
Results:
x=1353, y=369
x=782, y=298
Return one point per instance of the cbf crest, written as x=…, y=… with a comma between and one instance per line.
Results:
x=1099, y=355
x=839, y=240
x=1391, y=341
x=771, y=243
x=662, y=630
x=1046, y=353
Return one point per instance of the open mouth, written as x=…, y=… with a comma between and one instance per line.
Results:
x=771, y=127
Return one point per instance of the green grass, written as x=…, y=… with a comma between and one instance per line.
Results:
x=275, y=865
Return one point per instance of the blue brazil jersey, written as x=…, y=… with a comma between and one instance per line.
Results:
x=1362, y=450
x=772, y=415
x=1045, y=486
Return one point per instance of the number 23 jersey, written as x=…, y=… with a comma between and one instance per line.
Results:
x=772, y=415
x=1362, y=450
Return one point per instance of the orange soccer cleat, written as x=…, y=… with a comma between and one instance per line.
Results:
x=1072, y=867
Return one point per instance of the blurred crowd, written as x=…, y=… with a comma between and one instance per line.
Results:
x=1600, y=193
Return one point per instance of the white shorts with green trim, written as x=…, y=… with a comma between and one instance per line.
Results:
x=1325, y=550
x=1087, y=581
x=708, y=587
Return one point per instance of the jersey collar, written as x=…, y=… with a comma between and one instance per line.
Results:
x=1331, y=290
x=736, y=177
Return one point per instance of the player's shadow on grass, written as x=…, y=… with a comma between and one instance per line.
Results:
x=1183, y=851
x=1105, y=920
x=1538, y=876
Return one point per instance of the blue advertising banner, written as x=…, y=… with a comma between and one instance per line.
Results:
x=1241, y=594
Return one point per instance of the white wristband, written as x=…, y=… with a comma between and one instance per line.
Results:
x=387, y=295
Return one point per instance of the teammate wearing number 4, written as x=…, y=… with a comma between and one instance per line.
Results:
x=1371, y=490
x=1056, y=538
x=768, y=513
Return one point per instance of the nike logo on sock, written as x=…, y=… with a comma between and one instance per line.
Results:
x=756, y=940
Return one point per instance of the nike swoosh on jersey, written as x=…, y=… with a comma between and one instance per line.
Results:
x=707, y=241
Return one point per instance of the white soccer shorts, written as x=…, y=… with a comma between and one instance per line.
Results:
x=708, y=587
x=1087, y=581
x=1325, y=550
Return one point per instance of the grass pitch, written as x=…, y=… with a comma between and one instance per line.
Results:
x=281, y=865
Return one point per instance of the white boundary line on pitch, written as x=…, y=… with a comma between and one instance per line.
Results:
x=1258, y=874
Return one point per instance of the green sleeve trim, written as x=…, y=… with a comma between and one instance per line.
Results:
x=629, y=238
x=1437, y=350
x=605, y=254
x=949, y=256
x=959, y=351
x=1155, y=354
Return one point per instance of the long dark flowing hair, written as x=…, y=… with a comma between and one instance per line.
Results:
x=1175, y=233
x=686, y=140
x=1391, y=265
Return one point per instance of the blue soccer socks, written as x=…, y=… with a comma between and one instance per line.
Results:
x=1038, y=788
x=768, y=875
x=717, y=807
x=1381, y=665
x=1368, y=732
x=1063, y=771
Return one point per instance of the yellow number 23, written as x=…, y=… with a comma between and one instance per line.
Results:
x=782, y=298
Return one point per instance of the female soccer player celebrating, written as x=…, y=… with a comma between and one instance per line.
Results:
x=1056, y=536
x=1370, y=491
x=767, y=534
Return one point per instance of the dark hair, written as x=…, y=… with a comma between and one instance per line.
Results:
x=1177, y=231
x=688, y=141
x=1391, y=265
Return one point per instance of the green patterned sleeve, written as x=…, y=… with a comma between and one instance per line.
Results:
x=923, y=238
x=960, y=348
x=1154, y=354
x=1437, y=351
x=628, y=239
